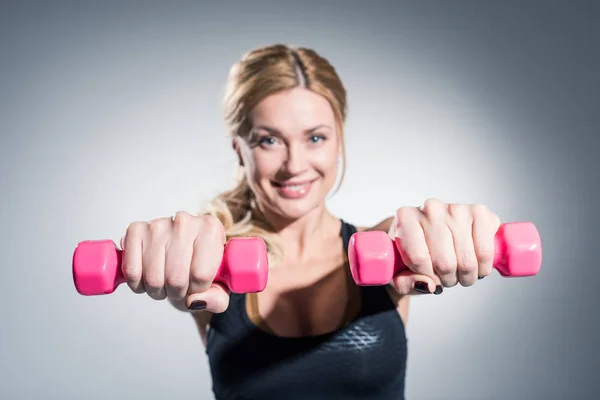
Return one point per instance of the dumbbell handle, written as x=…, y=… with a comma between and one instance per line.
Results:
x=97, y=266
x=374, y=258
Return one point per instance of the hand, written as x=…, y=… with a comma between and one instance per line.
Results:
x=176, y=258
x=443, y=245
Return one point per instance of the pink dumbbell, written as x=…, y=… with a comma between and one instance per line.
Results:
x=375, y=260
x=97, y=266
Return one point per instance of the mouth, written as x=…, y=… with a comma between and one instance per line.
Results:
x=293, y=190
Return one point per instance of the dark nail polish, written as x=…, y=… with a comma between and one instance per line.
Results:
x=481, y=277
x=438, y=289
x=422, y=287
x=197, y=305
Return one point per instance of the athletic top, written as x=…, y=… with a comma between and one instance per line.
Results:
x=366, y=359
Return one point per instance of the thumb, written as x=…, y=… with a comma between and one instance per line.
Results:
x=407, y=282
x=215, y=299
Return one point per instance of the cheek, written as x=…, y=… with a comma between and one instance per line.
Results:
x=265, y=166
x=327, y=162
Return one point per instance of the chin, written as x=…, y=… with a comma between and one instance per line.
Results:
x=296, y=211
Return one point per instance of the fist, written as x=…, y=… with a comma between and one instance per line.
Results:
x=176, y=258
x=444, y=245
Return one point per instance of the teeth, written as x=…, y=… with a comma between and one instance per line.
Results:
x=294, y=187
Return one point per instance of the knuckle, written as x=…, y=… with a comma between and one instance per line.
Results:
x=176, y=281
x=419, y=259
x=433, y=206
x=404, y=212
x=483, y=274
x=444, y=266
x=158, y=227
x=467, y=263
x=467, y=282
x=135, y=230
x=458, y=211
x=479, y=210
x=159, y=295
x=131, y=272
x=212, y=227
x=153, y=281
x=404, y=215
x=137, y=287
x=181, y=220
x=485, y=253
x=449, y=282
x=201, y=275
x=210, y=220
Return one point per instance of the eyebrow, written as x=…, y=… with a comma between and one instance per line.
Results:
x=277, y=132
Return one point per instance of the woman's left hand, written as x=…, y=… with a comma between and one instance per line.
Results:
x=443, y=245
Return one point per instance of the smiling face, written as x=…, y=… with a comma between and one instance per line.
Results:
x=291, y=153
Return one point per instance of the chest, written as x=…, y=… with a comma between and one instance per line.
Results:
x=306, y=300
x=364, y=360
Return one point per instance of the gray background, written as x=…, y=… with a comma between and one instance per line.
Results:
x=110, y=113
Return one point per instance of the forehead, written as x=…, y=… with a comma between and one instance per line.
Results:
x=293, y=110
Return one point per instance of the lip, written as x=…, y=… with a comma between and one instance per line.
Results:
x=298, y=183
x=301, y=191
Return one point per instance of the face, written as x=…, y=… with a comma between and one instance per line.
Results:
x=291, y=153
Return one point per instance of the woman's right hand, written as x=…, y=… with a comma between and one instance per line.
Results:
x=177, y=258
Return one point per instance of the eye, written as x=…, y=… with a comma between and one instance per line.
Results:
x=317, y=138
x=267, y=140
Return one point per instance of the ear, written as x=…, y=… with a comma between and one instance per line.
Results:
x=236, y=147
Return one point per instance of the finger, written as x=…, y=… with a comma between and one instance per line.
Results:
x=215, y=299
x=178, y=256
x=131, y=263
x=410, y=242
x=441, y=248
x=485, y=228
x=207, y=255
x=153, y=258
x=407, y=282
x=461, y=227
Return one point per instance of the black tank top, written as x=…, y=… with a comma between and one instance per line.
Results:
x=366, y=359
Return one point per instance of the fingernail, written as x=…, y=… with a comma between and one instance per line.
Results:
x=197, y=305
x=481, y=277
x=422, y=287
x=438, y=289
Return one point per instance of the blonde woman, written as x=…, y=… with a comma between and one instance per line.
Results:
x=312, y=333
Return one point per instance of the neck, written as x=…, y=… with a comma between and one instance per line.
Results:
x=303, y=234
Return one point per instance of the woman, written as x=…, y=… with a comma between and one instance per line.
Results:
x=312, y=333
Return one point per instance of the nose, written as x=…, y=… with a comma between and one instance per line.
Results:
x=296, y=161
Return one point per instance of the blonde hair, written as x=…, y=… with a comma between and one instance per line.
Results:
x=258, y=74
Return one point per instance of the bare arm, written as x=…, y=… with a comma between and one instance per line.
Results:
x=201, y=318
